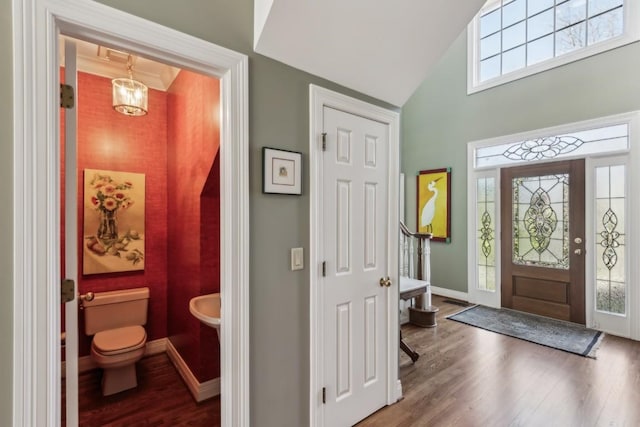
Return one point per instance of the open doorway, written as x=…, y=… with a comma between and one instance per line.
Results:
x=159, y=174
x=36, y=243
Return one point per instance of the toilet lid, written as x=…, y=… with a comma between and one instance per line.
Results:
x=120, y=340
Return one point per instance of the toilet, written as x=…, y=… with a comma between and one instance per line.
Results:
x=116, y=320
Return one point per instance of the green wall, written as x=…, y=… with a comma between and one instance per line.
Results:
x=278, y=108
x=440, y=119
x=6, y=215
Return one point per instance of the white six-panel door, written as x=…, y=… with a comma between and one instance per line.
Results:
x=355, y=217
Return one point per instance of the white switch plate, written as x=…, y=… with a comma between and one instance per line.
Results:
x=297, y=259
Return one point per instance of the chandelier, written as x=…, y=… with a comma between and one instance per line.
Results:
x=130, y=97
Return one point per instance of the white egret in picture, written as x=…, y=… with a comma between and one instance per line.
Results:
x=434, y=203
x=429, y=209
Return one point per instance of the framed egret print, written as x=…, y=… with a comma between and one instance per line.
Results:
x=281, y=171
x=434, y=203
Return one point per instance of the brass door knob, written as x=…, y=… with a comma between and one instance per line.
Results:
x=385, y=281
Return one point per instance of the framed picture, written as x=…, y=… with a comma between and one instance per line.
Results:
x=281, y=171
x=113, y=222
x=434, y=203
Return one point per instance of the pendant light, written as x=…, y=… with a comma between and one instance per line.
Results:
x=130, y=97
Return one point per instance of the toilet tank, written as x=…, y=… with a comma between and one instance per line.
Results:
x=115, y=309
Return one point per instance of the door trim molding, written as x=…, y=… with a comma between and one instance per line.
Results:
x=632, y=118
x=318, y=99
x=36, y=218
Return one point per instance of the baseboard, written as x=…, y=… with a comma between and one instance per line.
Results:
x=199, y=391
x=399, y=395
x=448, y=293
x=86, y=364
x=156, y=347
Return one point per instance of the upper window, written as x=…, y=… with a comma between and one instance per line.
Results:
x=510, y=39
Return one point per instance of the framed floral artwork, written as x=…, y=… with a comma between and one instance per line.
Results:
x=113, y=226
x=281, y=171
x=434, y=203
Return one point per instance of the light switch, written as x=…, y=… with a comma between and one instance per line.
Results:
x=297, y=259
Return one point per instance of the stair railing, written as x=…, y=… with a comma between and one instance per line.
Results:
x=415, y=249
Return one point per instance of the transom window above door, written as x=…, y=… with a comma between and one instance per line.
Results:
x=510, y=39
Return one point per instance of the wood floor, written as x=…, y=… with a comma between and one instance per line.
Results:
x=467, y=376
x=161, y=399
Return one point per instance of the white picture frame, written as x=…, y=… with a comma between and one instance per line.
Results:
x=282, y=171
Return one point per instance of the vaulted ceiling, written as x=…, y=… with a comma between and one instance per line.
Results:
x=380, y=48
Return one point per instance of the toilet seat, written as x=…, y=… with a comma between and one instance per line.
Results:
x=121, y=340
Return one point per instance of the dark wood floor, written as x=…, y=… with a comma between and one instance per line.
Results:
x=467, y=376
x=161, y=399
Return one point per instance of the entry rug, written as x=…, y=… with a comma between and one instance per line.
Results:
x=552, y=333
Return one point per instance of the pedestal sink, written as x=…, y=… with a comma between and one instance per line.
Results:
x=206, y=308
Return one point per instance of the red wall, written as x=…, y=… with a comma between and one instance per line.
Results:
x=176, y=146
x=193, y=216
x=109, y=140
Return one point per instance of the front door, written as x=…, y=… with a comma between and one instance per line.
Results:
x=355, y=232
x=542, y=211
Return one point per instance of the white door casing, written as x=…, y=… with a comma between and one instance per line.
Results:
x=36, y=202
x=615, y=324
x=354, y=229
x=70, y=241
x=625, y=326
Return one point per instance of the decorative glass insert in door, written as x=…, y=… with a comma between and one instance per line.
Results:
x=485, y=233
x=541, y=221
x=610, y=239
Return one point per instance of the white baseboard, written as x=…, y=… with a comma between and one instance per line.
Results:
x=156, y=347
x=399, y=395
x=199, y=391
x=448, y=293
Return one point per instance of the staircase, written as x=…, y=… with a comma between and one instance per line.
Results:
x=415, y=276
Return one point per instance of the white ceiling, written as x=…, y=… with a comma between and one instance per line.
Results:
x=383, y=49
x=111, y=63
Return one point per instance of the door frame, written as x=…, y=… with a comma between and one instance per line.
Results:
x=36, y=186
x=631, y=158
x=318, y=99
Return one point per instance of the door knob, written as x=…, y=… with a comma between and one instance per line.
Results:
x=385, y=282
x=578, y=240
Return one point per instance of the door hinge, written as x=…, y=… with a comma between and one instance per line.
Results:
x=324, y=395
x=66, y=96
x=324, y=268
x=67, y=291
x=324, y=141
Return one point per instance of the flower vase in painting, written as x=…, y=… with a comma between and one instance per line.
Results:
x=108, y=228
x=113, y=221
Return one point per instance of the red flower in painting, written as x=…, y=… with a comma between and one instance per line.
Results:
x=110, y=203
x=109, y=189
x=110, y=194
